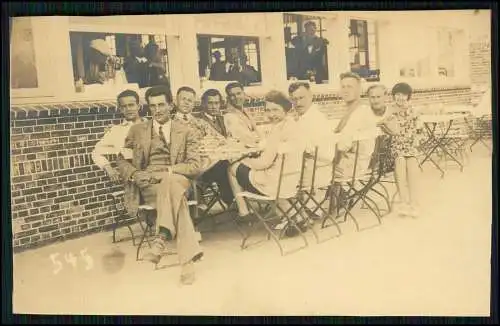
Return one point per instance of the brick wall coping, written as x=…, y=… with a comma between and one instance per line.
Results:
x=34, y=111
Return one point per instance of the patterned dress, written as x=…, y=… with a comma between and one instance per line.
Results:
x=405, y=142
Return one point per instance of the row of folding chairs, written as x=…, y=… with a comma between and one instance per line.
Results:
x=340, y=194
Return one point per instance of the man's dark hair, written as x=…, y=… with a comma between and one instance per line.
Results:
x=210, y=92
x=295, y=86
x=350, y=75
x=186, y=89
x=232, y=85
x=402, y=88
x=376, y=86
x=279, y=98
x=127, y=93
x=157, y=91
x=310, y=23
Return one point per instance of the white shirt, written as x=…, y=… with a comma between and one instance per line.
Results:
x=111, y=143
x=387, y=112
x=314, y=129
x=212, y=118
x=362, y=126
x=166, y=127
x=362, y=120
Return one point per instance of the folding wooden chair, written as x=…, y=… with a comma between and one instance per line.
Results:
x=347, y=191
x=145, y=217
x=479, y=127
x=274, y=214
x=382, y=165
x=208, y=197
x=306, y=200
x=122, y=219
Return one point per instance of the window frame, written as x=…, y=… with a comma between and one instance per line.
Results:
x=369, y=51
x=43, y=61
x=61, y=26
x=434, y=79
x=258, y=48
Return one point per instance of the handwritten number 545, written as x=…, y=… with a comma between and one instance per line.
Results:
x=71, y=260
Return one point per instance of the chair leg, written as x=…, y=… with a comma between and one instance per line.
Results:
x=132, y=234
x=140, y=245
x=114, y=232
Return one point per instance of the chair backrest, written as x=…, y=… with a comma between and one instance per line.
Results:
x=364, y=145
x=283, y=153
x=382, y=161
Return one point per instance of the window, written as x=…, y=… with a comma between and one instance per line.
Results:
x=23, y=67
x=415, y=58
x=114, y=58
x=305, y=48
x=229, y=58
x=363, y=49
x=419, y=68
x=446, y=53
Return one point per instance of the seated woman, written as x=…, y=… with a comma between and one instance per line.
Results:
x=261, y=175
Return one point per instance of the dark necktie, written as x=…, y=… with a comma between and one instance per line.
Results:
x=162, y=136
x=185, y=117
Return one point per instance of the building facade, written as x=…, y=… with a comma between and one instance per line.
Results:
x=57, y=117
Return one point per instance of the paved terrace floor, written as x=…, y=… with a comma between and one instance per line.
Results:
x=438, y=264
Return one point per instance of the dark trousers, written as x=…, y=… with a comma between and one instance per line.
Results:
x=219, y=174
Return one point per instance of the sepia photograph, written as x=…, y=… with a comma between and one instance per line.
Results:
x=321, y=163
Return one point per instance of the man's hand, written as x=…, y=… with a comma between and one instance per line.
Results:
x=142, y=179
x=112, y=174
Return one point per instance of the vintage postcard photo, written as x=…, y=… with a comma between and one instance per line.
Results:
x=325, y=163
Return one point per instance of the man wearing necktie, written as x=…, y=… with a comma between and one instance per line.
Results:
x=184, y=99
x=158, y=158
x=212, y=125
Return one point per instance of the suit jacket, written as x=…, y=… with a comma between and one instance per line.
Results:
x=218, y=125
x=240, y=126
x=184, y=156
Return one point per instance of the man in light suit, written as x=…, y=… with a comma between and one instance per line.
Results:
x=164, y=155
x=238, y=124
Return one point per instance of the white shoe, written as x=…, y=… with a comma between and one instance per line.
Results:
x=404, y=210
x=414, y=211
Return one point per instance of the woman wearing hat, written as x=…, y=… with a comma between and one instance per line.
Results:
x=402, y=125
x=102, y=67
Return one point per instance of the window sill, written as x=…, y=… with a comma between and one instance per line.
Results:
x=92, y=93
x=426, y=83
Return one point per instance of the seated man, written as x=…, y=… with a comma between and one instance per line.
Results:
x=164, y=155
x=114, y=137
x=206, y=126
x=359, y=120
x=211, y=112
x=183, y=112
x=213, y=126
x=377, y=96
x=239, y=125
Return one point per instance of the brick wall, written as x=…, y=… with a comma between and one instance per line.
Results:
x=57, y=192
